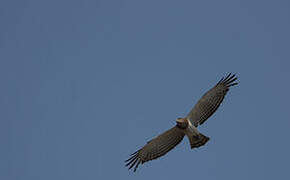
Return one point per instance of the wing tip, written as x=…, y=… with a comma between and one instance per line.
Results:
x=229, y=80
x=131, y=161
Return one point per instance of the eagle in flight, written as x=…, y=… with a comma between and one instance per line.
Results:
x=203, y=109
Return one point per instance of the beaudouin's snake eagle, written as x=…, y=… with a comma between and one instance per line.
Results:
x=203, y=109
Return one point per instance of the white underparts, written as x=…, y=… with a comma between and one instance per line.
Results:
x=191, y=130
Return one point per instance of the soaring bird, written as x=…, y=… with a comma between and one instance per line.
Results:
x=202, y=110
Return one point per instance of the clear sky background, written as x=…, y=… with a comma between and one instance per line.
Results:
x=86, y=83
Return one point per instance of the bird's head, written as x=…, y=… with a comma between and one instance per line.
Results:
x=182, y=123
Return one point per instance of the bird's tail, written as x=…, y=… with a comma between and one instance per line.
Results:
x=197, y=141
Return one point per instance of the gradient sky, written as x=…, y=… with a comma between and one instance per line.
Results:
x=86, y=83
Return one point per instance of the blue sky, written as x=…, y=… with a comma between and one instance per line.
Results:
x=86, y=83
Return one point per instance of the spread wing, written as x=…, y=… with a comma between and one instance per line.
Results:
x=211, y=100
x=156, y=147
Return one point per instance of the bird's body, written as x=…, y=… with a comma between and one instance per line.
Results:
x=195, y=138
x=186, y=126
x=191, y=130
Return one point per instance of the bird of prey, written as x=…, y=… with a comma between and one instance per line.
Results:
x=203, y=109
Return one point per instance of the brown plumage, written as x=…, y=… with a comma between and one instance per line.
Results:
x=204, y=108
x=211, y=100
x=157, y=147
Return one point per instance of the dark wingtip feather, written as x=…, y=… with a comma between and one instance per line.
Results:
x=130, y=158
x=226, y=78
x=133, y=160
x=221, y=80
x=137, y=165
x=229, y=80
x=233, y=84
x=134, y=153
